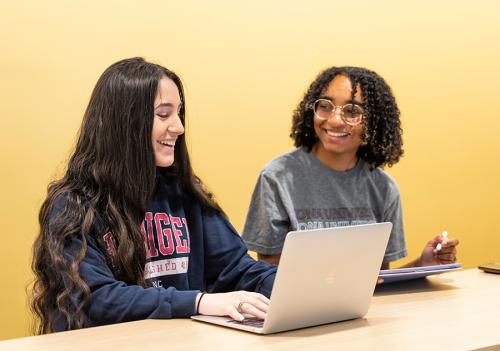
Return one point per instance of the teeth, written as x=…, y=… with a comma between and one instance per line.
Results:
x=164, y=142
x=336, y=134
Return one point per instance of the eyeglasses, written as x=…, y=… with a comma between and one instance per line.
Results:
x=349, y=113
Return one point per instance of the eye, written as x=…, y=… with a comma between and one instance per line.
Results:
x=163, y=112
x=324, y=106
x=352, y=111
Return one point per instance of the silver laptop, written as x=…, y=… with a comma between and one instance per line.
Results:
x=324, y=276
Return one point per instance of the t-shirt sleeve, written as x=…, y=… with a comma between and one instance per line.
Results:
x=396, y=248
x=267, y=221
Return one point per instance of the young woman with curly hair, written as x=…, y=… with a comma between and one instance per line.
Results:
x=129, y=232
x=346, y=128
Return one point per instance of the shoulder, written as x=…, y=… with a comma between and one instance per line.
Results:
x=384, y=181
x=59, y=204
x=295, y=160
x=217, y=224
x=72, y=210
x=63, y=204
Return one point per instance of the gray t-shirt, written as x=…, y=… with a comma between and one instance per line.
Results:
x=296, y=191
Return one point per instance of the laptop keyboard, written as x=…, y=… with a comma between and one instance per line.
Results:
x=252, y=322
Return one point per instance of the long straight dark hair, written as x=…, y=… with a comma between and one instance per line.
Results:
x=110, y=179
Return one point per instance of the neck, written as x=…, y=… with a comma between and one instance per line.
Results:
x=339, y=162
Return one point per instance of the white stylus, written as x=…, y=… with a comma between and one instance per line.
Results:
x=439, y=246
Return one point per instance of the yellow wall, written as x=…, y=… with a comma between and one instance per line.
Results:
x=245, y=65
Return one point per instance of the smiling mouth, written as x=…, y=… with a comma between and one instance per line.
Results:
x=336, y=134
x=166, y=143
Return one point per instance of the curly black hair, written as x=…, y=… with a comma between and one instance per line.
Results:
x=381, y=136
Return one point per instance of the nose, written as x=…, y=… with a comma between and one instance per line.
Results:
x=176, y=127
x=336, y=115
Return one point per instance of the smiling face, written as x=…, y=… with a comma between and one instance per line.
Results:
x=338, y=142
x=167, y=125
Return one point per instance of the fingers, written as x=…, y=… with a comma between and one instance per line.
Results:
x=235, y=304
x=451, y=242
x=253, y=304
x=258, y=305
x=249, y=309
x=448, y=252
x=445, y=245
x=234, y=314
x=260, y=297
x=258, y=300
x=448, y=242
x=447, y=257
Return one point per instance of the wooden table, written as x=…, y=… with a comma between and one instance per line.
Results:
x=453, y=311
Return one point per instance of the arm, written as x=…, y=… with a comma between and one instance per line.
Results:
x=267, y=221
x=236, y=283
x=396, y=247
x=429, y=255
x=271, y=259
x=228, y=267
x=113, y=301
x=109, y=300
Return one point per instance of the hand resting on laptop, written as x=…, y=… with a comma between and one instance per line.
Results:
x=234, y=304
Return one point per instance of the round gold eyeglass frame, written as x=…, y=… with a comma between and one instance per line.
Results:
x=354, y=120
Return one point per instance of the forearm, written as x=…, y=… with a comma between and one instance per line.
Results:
x=113, y=301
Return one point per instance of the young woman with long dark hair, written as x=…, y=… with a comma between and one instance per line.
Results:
x=129, y=232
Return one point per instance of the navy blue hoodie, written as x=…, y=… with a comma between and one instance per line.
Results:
x=187, y=250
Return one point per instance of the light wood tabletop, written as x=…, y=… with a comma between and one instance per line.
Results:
x=452, y=311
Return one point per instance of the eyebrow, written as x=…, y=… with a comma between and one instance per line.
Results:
x=165, y=104
x=350, y=101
